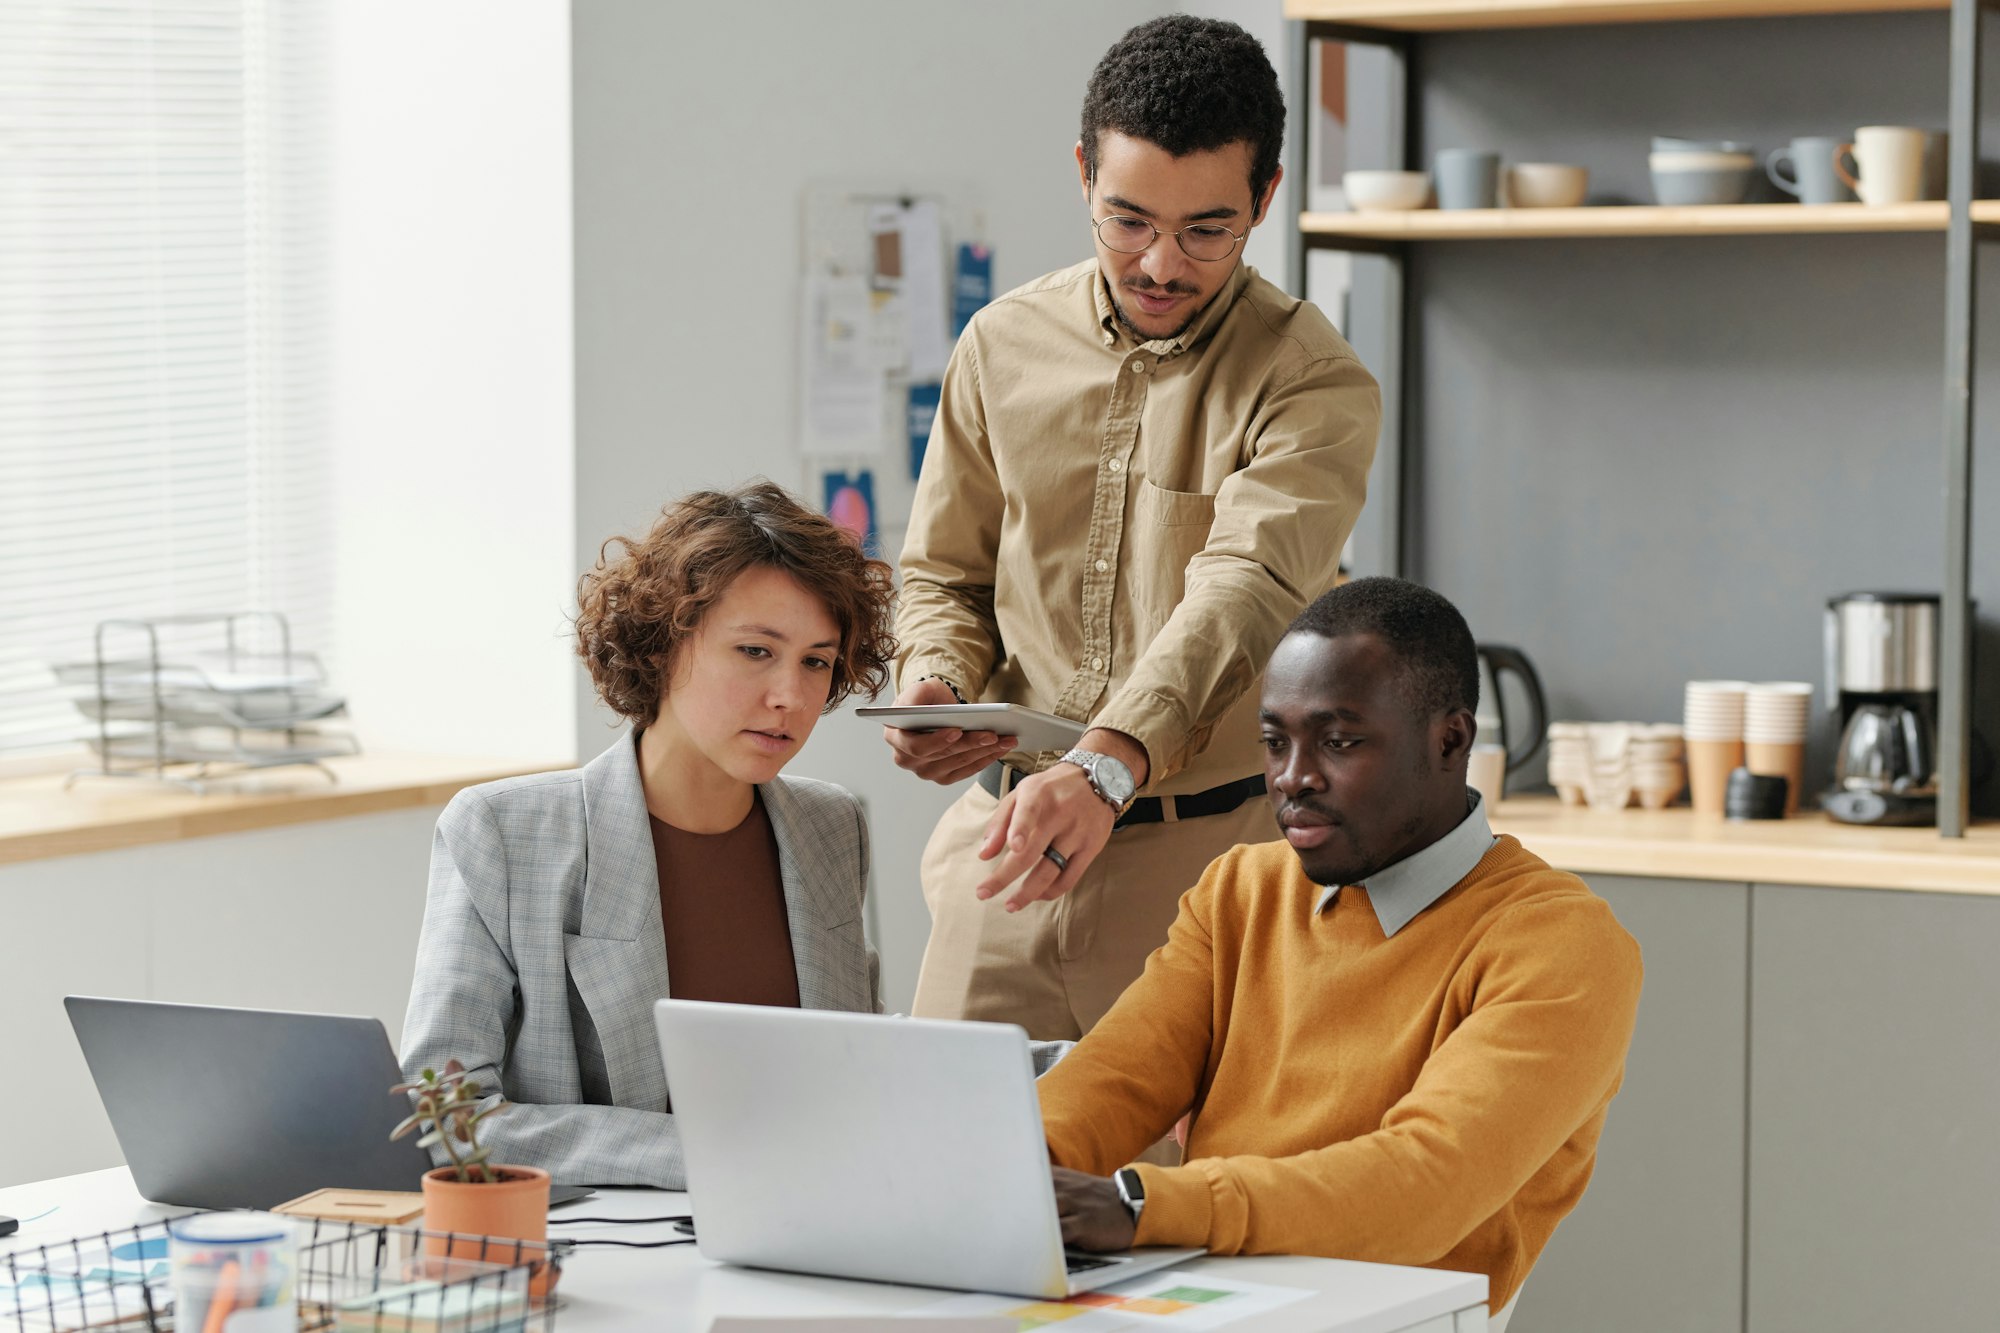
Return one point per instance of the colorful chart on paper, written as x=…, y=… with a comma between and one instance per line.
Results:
x=1157, y=1301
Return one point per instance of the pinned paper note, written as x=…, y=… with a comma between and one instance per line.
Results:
x=920, y=415
x=841, y=411
x=850, y=503
x=972, y=285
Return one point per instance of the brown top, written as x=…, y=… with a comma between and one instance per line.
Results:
x=1119, y=531
x=722, y=909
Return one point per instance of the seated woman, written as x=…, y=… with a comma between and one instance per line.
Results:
x=677, y=863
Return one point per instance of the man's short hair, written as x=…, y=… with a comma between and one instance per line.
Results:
x=1189, y=85
x=1431, y=641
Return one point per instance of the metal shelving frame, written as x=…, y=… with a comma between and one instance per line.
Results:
x=1397, y=452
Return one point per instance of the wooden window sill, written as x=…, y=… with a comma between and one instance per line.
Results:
x=39, y=819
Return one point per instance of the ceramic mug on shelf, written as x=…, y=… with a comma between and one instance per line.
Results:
x=1468, y=178
x=1888, y=162
x=1805, y=168
x=1937, y=164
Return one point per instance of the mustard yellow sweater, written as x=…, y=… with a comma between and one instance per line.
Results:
x=1432, y=1098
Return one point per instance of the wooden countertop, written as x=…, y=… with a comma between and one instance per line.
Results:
x=1806, y=849
x=39, y=819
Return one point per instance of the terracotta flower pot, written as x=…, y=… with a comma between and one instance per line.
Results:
x=514, y=1207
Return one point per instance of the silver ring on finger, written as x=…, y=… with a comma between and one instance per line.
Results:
x=1062, y=862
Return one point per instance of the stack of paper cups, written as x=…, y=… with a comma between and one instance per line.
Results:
x=1713, y=721
x=1774, y=733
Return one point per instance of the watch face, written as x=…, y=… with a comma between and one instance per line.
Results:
x=1114, y=779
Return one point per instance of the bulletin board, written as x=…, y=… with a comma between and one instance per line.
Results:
x=889, y=272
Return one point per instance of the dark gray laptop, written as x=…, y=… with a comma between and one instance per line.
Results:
x=246, y=1108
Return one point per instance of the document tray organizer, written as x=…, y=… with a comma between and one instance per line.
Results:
x=225, y=693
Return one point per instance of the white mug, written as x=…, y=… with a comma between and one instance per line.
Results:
x=1888, y=162
x=1486, y=773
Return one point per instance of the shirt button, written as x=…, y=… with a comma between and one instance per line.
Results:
x=1140, y=367
x=1102, y=566
x=1097, y=664
x=1117, y=465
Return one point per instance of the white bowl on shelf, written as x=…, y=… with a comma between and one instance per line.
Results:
x=1692, y=178
x=1386, y=191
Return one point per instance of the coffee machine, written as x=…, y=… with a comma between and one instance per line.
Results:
x=1882, y=697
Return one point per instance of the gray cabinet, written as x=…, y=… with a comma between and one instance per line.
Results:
x=1874, y=1187
x=1657, y=1241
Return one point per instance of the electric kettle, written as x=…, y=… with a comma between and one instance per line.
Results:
x=1522, y=741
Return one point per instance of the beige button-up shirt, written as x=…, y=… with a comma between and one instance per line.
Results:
x=1119, y=531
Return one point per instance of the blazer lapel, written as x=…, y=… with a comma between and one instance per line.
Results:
x=829, y=948
x=618, y=958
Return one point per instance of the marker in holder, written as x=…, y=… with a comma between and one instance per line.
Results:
x=233, y=1273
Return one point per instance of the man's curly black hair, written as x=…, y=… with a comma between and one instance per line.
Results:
x=1189, y=85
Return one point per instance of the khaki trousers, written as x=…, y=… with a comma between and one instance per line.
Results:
x=1057, y=967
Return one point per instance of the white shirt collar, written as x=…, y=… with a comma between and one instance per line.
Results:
x=1401, y=891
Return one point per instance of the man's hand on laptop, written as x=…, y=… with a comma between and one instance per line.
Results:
x=1093, y=1216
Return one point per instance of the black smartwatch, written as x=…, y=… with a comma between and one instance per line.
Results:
x=1131, y=1189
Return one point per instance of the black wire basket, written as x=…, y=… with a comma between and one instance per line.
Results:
x=349, y=1276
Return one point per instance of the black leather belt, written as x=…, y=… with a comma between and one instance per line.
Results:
x=996, y=779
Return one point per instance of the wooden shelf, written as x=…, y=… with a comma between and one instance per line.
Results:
x=1465, y=15
x=1481, y=224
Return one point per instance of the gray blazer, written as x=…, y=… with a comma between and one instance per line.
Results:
x=542, y=955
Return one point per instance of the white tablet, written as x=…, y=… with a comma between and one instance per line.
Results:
x=1034, y=731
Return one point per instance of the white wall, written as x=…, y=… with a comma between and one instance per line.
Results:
x=708, y=121
x=454, y=422
x=320, y=917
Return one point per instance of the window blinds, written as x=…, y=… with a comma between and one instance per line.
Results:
x=163, y=327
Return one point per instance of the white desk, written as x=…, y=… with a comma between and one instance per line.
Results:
x=675, y=1290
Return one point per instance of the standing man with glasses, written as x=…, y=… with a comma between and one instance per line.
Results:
x=1142, y=468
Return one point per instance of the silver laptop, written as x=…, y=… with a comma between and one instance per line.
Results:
x=862, y=1146
x=246, y=1108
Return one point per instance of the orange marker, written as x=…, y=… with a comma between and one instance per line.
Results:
x=224, y=1300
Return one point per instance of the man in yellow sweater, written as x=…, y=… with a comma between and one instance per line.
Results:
x=1399, y=1034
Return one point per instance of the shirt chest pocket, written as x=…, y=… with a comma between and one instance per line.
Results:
x=1169, y=528
x=1159, y=507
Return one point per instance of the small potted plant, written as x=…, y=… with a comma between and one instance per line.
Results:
x=474, y=1197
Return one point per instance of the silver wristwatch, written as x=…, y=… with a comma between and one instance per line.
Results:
x=1109, y=777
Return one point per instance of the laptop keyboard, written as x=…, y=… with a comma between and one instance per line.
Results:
x=1083, y=1263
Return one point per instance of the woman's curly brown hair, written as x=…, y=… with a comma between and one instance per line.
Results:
x=635, y=611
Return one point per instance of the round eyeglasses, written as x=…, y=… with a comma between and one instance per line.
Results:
x=1207, y=242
